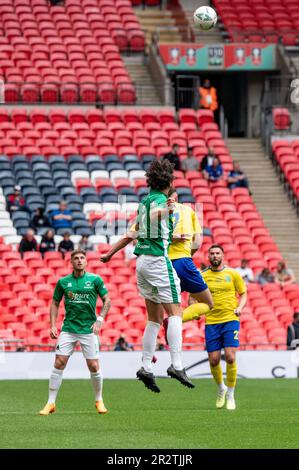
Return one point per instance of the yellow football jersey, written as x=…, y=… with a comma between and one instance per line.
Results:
x=185, y=222
x=224, y=286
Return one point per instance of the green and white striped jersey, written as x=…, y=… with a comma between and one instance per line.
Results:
x=154, y=236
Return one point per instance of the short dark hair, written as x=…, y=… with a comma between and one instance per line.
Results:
x=296, y=315
x=78, y=252
x=216, y=246
x=159, y=175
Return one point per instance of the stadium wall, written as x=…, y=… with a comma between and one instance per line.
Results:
x=123, y=365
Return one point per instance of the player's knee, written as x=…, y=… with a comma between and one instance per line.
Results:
x=214, y=361
x=60, y=364
x=230, y=358
x=93, y=367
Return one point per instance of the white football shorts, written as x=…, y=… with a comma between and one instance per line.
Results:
x=157, y=280
x=89, y=343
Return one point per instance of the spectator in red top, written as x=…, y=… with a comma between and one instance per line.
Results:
x=15, y=201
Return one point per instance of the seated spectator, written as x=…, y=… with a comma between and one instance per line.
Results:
x=16, y=202
x=264, y=277
x=213, y=172
x=236, y=178
x=84, y=244
x=61, y=217
x=28, y=242
x=66, y=244
x=245, y=271
x=284, y=275
x=190, y=163
x=47, y=242
x=293, y=332
x=123, y=345
x=173, y=157
x=40, y=220
x=207, y=159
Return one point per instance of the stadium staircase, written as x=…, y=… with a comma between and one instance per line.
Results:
x=141, y=76
x=270, y=198
x=161, y=22
x=209, y=37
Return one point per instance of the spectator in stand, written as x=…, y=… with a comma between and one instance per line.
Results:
x=208, y=96
x=293, y=332
x=66, y=244
x=236, y=178
x=245, y=271
x=123, y=345
x=173, y=157
x=213, y=172
x=16, y=202
x=84, y=244
x=264, y=277
x=47, y=242
x=61, y=217
x=28, y=242
x=207, y=159
x=284, y=275
x=190, y=163
x=40, y=221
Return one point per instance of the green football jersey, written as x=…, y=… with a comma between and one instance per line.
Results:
x=80, y=298
x=154, y=236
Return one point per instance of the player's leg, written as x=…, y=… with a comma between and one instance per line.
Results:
x=65, y=347
x=231, y=377
x=191, y=281
x=91, y=348
x=54, y=384
x=214, y=345
x=144, y=267
x=149, y=341
x=231, y=343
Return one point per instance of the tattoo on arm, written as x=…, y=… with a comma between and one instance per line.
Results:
x=106, y=306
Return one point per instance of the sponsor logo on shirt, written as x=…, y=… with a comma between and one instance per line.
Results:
x=78, y=297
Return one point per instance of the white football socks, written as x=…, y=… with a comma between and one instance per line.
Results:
x=54, y=384
x=174, y=338
x=149, y=344
x=230, y=392
x=97, y=383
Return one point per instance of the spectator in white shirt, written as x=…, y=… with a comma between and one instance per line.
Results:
x=245, y=271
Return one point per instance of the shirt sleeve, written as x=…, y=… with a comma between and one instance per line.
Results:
x=196, y=225
x=239, y=283
x=100, y=287
x=58, y=292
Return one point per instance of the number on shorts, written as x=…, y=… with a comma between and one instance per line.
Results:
x=236, y=335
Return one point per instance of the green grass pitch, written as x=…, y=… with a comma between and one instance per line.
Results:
x=267, y=416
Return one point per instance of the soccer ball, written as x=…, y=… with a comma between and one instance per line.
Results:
x=205, y=18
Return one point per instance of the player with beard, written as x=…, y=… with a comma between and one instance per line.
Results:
x=223, y=322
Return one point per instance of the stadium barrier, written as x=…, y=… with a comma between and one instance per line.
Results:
x=123, y=365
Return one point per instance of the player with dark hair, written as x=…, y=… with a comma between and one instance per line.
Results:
x=157, y=281
x=80, y=291
x=223, y=322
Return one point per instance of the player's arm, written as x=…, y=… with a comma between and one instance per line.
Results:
x=241, y=289
x=162, y=211
x=121, y=244
x=54, y=307
x=197, y=234
x=242, y=303
x=105, y=309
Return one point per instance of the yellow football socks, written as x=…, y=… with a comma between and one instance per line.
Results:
x=231, y=374
x=217, y=373
x=194, y=311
